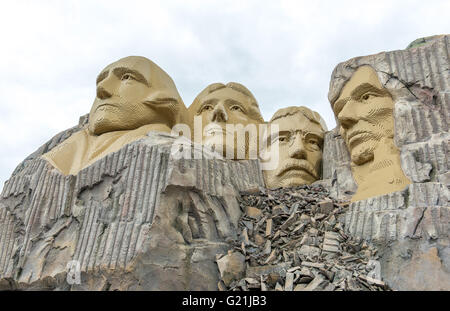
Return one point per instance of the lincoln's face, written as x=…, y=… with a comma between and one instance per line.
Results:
x=300, y=152
x=365, y=113
x=123, y=90
x=222, y=107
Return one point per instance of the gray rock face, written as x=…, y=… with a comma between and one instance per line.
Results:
x=137, y=219
x=412, y=226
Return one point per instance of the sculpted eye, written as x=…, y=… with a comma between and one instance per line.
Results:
x=206, y=108
x=313, y=142
x=282, y=139
x=279, y=139
x=236, y=108
x=368, y=96
x=127, y=76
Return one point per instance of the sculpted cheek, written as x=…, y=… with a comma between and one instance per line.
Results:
x=315, y=159
x=378, y=114
x=242, y=119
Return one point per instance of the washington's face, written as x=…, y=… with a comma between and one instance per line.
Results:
x=222, y=107
x=365, y=113
x=300, y=152
x=122, y=88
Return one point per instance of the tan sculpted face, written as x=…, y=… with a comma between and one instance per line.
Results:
x=365, y=111
x=133, y=92
x=133, y=97
x=219, y=105
x=300, y=140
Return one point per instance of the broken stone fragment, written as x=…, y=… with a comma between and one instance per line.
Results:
x=259, y=240
x=310, y=252
x=371, y=280
x=278, y=287
x=325, y=207
x=329, y=287
x=267, y=248
x=245, y=239
x=330, y=235
x=306, y=272
x=221, y=286
x=319, y=216
x=313, y=232
x=231, y=267
x=299, y=287
x=330, y=248
x=258, y=271
x=293, y=269
x=305, y=279
x=263, y=285
x=299, y=228
x=253, y=212
x=331, y=243
x=273, y=278
x=252, y=190
x=279, y=210
x=305, y=218
x=332, y=220
x=313, y=264
x=272, y=257
x=289, y=222
x=248, y=224
x=328, y=274
x=289, y=282
x=318, y=284
x=268, y=227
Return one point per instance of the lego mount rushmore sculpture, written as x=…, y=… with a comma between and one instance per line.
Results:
x=136, y=206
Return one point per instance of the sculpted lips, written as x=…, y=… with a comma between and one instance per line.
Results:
x=161, y=101
x=297, y=165
x=216, y=129
x=106, y=105
x=357, y=137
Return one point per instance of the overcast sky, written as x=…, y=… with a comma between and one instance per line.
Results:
x=283, y=51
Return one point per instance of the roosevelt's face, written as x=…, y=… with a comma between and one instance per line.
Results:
x=222, y=107
x=365, y=113
x=300, y=152
x=122, y=89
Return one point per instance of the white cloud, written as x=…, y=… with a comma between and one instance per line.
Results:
x=283, y=51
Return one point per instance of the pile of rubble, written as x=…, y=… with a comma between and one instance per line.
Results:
x=292, y=239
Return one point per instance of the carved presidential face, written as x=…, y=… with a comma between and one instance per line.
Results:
x=133, y=92
x=300, y=151
x=365, y=113
x=227, y=106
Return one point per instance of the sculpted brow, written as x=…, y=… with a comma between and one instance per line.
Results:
x=102, y=76
x=119, y=71
x=364, y=88
x=340, y=104
x=230, y=102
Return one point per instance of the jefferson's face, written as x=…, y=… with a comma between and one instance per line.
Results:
x=122, y=89
x=221, y=107
x=300, y=152
x=365, y=113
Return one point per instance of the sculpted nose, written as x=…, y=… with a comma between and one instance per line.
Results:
x=105, y=86
x=297, y=149
x=102, y=93
x=219, y=114
x=348, y=116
